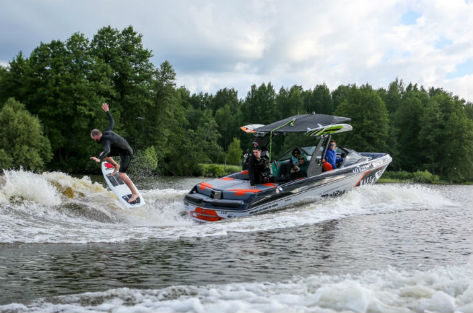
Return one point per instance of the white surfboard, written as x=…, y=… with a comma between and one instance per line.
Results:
x=119, y=188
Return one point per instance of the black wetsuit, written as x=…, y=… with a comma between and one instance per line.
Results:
x=115, y=145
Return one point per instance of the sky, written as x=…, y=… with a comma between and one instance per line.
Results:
x=215, y=44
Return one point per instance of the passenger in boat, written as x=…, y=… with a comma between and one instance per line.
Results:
x=287, y=169
x=249, y=154
x=299, y=168
x=258, y=170
x=331, y=155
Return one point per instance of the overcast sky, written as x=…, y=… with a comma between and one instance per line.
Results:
x=215, y=44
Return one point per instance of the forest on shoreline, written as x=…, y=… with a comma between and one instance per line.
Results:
x=50, y=100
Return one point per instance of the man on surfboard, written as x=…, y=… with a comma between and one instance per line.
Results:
x=115, y=145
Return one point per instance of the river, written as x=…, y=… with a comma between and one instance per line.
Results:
x=66, y=245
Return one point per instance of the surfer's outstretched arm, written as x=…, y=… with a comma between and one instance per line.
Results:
x=111, y=122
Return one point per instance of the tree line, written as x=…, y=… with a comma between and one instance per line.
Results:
x=51, y=99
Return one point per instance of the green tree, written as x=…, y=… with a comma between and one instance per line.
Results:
x=3, y=80
x=195, y=106
x=259, y=105
x=319, y=101
x=234, y=152
x=452, y=135
x=369, y=119
x=145, y=162
x=289, y=102
x=164, y=118
x=258, y=108
x=469, y=110
x=431, y=137
x=207, y=137
x=63, y=84
x=227, y=115
x=458, y=164
x=131, y=73
x=189, y=147
x=407, y=126
x=393, y=96
x=392, y=99
x=339, y=95
x=12, y=79
x=22, y=143
x=224, y=97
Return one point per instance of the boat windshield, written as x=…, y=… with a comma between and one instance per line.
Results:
x=352, y=157
x=307, y=151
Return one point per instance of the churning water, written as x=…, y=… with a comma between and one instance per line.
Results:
x=66, y=245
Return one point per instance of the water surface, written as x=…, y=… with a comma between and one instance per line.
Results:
x=381, y=248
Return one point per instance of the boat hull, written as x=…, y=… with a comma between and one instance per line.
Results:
x=231, y=197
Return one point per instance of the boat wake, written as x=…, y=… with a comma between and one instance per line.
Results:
x=58, y=208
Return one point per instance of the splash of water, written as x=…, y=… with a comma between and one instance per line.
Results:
x=55, y=207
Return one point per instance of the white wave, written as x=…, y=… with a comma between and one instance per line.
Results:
x=22, y=185
x=164, y=207
x=441, y=289
x=72, y=187
x=361, y=201
x=55, y=207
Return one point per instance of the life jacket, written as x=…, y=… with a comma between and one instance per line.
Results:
x=327, y=166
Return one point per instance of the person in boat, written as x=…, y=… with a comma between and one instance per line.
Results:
x=114, y=145
x=288, y=169
x=258, y=170
x=245, y=164
x=331, y=156
x=299, y=167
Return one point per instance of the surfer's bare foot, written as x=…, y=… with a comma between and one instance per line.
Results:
x=132, y=198
x=115, y=171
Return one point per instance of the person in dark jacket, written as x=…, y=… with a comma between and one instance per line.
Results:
x=114, y=145
x=258, y=170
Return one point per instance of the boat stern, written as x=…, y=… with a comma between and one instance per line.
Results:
x=226, y=197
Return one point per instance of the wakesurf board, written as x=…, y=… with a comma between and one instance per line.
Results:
x=119, y=188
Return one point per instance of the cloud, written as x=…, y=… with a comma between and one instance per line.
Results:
x=216, y=44
x=410, y=17
x=462, y=69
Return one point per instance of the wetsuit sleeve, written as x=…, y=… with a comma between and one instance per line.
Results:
x=111, y=122
x=106, y=150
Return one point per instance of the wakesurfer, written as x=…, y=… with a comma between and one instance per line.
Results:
x=114, y=145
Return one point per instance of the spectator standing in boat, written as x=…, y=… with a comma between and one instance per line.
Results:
x=258, y=169
x=331, y=154
x=249, y=154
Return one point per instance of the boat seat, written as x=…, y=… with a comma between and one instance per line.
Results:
x=276, y=167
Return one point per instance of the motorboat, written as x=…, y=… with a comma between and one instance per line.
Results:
x=232, y=196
